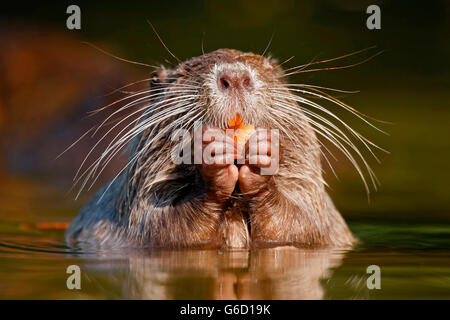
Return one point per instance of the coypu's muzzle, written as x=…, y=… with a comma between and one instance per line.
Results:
x=233, y=91
x=235, y=82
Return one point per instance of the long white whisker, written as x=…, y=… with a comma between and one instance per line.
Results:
x=351, y=130
x=135, y=102
x=287, y=118
x=331, y=136
x=344, y=150
x=334, y=102
x=97, y=127
x=118, y=144
x=74, y=143
x=151, y=107
x=128, y=164
x=319, y=87
x=147, y=126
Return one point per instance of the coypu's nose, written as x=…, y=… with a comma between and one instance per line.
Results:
x=230, y=82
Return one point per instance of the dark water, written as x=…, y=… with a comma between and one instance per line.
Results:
x=414, y=259
x=406, y=85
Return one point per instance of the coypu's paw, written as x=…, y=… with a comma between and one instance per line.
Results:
x=262, y=163
x=217, y=168
x=251, y=183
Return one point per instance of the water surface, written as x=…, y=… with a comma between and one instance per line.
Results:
x=414, y=259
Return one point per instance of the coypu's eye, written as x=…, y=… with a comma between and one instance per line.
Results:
x=160, y=76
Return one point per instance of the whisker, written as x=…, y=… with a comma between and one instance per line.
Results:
x=131, y=161
x=162, y=42
x=355, y=133
x=145, y=81
x=127, y=86
x=160, y=104
x=336, y=68
x=157, y=89
x=116, y=57
x=110, y=158
x=286, y=61
x=163, y=93
x=332, y=59
x=327, y=134
x=74, y=143
x=268, y=45
x=323, y=95
x=92, y=169
x=319, y=87
x=336, y=102
x=287, y=118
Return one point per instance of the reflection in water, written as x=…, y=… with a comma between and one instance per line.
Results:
x=414, y=261
x=275, y=273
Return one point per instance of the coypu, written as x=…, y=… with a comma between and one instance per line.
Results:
x=155, y=202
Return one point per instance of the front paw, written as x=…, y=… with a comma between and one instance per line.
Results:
x=217, y=168
x=263, y=162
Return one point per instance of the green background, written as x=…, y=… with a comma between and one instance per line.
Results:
x=407, y=84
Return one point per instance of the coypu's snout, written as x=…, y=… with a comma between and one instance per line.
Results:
x=233, y=88
x=230, y=82
x=233, y=80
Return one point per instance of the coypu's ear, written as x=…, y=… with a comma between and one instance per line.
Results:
x=161, y=76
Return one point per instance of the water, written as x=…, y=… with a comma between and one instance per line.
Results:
x=414, y=259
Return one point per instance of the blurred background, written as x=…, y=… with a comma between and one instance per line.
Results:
x=50, y=80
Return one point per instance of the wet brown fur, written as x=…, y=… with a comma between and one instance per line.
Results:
x=157, y=203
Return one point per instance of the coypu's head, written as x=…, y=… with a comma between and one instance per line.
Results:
x=216, y=87
x=224, y=83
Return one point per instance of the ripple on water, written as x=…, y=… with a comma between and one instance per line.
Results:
x=414, y=261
